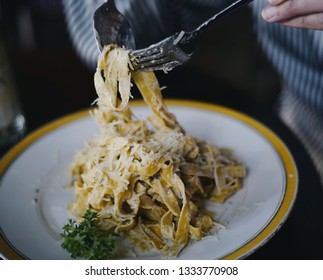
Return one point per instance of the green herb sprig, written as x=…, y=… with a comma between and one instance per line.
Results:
x=86, y=240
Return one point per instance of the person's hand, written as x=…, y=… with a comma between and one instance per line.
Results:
x=295, y=13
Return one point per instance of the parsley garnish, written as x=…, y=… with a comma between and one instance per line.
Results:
x=86, y=240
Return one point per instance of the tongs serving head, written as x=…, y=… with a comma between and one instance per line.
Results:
x=113, y=28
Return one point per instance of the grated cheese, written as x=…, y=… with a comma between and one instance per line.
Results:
x=147, y=179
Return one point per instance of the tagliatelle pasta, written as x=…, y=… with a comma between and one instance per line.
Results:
x=148, y=180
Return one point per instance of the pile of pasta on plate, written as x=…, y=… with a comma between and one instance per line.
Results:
x=148, y=180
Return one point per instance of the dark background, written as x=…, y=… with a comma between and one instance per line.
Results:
x=228, y=68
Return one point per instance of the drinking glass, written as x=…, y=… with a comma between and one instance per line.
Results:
x=12, y=120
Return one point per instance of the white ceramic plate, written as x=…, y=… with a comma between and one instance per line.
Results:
x=33, y=197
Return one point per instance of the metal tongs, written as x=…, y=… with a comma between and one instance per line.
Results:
x=111, y=27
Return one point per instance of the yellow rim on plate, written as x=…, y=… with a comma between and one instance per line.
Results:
x=282, y=150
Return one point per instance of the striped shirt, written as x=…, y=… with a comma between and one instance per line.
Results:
x=296, y=54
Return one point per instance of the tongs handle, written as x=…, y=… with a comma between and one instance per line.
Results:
x=228, y=9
